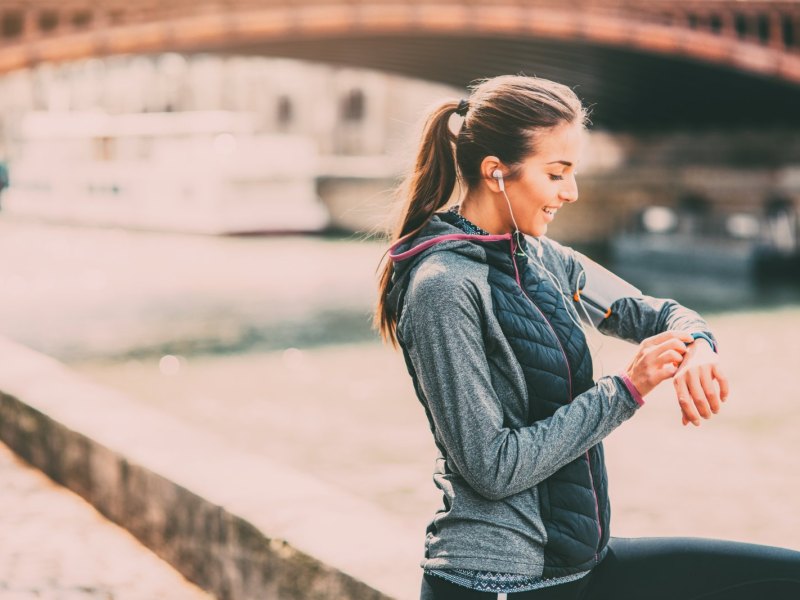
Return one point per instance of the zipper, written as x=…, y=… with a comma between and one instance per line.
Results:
x=569, y=381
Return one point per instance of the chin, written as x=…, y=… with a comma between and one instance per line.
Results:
x=537, y=231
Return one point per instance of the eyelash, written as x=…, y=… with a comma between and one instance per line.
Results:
x=559, y=177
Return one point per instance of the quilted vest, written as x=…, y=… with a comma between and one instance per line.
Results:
x=557, y=366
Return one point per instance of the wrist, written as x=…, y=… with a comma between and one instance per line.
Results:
x=632, y=389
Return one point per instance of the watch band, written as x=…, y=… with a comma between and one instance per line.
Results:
x=699, y=334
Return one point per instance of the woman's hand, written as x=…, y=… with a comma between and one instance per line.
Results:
x=657, y=359
x=694, y=380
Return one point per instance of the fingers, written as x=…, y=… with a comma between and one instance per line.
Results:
x=709, y=389
x=671, y=356
x=721, y=380
x=665, y=358
x=700, y=385
x=698, y=394
x=665, y=371
x=658, y=359
x=675, y=346
x=665, y=336
x=662, y=367
x=686, y=402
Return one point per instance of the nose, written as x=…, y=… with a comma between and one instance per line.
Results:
x=569, y=191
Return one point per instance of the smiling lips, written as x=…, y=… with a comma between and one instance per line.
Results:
x=550, y=211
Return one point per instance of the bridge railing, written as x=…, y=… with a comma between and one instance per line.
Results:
x=775, y=24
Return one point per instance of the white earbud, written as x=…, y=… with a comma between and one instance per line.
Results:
x=498, y=174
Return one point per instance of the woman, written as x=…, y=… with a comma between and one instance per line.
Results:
x=489, y=324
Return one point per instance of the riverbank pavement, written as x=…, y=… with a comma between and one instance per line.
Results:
x=237, y=524
x=55, y=546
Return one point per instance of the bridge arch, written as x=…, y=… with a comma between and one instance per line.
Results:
x=715, y=49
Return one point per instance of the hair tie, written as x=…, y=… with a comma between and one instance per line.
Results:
x=463, y=107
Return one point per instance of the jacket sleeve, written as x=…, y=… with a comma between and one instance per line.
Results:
x=442, y=337
x=635, y=318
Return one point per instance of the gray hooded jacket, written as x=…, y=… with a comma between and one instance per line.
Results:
x=506, y=383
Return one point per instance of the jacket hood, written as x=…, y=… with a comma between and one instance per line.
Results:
x=438, y=235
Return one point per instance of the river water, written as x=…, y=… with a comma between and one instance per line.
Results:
x=266, y=341
x=347, y=414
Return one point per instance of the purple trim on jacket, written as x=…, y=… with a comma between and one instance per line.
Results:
x=632, y=389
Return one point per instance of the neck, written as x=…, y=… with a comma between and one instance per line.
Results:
x=483, y=210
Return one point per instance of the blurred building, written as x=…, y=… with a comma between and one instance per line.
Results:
x=347, y=111
x=363, y=125
x=359, y=122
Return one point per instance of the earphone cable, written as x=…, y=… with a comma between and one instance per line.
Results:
x=554, y=280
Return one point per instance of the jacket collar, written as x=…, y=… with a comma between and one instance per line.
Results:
x=441, y=234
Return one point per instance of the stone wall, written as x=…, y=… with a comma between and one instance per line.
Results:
x=237, y=525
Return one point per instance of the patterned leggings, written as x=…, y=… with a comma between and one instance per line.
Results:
x=663, y=569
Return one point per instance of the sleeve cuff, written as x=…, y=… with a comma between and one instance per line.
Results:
x=637, y=397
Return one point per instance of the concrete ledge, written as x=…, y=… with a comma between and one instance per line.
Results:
x=236, y=524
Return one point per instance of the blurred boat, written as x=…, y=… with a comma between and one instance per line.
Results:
x=199, y=171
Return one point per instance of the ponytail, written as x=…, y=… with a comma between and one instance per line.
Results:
x=430, y=186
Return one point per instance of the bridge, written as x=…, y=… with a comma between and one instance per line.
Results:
x=643, y=63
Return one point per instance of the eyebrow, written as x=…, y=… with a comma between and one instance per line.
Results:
x=566, y=163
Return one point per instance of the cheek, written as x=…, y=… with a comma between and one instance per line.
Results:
x=539, y=192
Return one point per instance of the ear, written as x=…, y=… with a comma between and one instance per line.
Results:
x=488, y=166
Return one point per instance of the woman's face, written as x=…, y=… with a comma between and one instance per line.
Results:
x=545, y=181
